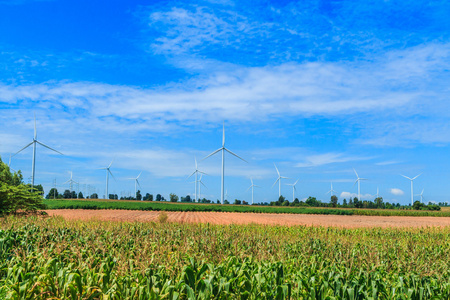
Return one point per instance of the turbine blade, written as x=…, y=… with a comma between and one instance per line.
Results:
x=355, y=172
x=276, y=169
x=356, y=182
x=111, y=174
x=191, y=174
x=23, y=148
x=203, y=184
x=405, y=177
x=139, y=175
x=249, y=188
x=48, y=147
x=284, y=177
x=275, y=182
x=251, y=179
x=235, y=155
x=416, y=176
x=137, y=181
x=296, y=181
x=212, y=153
x=203, y=173
x=223, y=135
x=111, y=163
x=35, y=132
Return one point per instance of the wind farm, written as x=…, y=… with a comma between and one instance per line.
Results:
x=224, y=150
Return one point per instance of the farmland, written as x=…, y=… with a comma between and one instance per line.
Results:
x=72, y=259
x=167, y=206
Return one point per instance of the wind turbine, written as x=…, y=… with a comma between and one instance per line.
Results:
x=378, y=193
x=251, y=187
x=108, y=171
x=331, y=191
x=70, y=181
x=412, y=193
x=421, y=196
x=279, y=181
x=293, y=189
x=34, y=142
x=223, y=149
x=196, y=178
x=200, y=186
x=136, y=183
x=358, y=180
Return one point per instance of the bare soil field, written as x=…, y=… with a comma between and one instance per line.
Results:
x=249, y=218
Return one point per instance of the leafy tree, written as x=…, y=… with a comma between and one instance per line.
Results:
x=73, y=195
x=173, y=198
x=226, y=202
x=286, y=203
x=67, y=194
x=296, y=202
x=334, y=201
x=80, y=195
x=94, y=196
x=14, y=195
x=138, y=195
x=237, y=202
x=379, y=202
x=280, y=200
x=52, y=194
x=158, y=197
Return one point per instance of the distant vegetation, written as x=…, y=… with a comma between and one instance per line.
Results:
x=52, y=258
x=15, y=196
x=167, y=206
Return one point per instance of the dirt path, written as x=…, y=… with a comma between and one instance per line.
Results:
x=248, y=218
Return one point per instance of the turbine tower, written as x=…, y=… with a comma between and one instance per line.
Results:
x=412, y=189
x=331, y=191
x=279, y=181
x=136, y=183
x=196, y=178
x=223, y=149
x=34, y=142
x=70, y=181
x=108, y=171
x=293, y=189
x=378, y=193
x=358, y=180
x=251, y=187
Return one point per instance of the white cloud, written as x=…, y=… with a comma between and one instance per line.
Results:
x=328, y=158
x=396, y=192
x=348, y=195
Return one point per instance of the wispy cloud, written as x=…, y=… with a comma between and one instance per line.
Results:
x=396, y=192
x=329, y=158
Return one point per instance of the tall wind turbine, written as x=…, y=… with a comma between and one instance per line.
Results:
x=136, y=183
x=293, y=189
x=412, y=189
x=223, y=149
x=358, y=180
x=108, y=171
x=70, y=181
x=279, y=181
x=251, y=187
x=34, y=142
x=421, y=196
x=196, y=178
x=331, y=191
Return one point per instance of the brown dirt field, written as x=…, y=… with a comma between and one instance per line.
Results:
x=249, y=218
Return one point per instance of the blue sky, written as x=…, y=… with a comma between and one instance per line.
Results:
x=317, y=87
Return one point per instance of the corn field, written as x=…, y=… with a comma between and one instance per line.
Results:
x=51, y=258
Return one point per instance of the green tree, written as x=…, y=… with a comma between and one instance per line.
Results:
x=237, y=202
x=73, y=195
x=94, y=196
x=138, y=195
x=281, y=200
x=14, y=195
x=80, y=195
x=67, y=194
x=173, y=198
x=158, y=197
x=334, y=201
x=52, y=194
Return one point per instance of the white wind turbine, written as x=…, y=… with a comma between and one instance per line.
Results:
x=293, y=189
x=358, y=180
x=279, y=181
x=196, y=178
x=136, y=183
x=71, y=181
x=412, y=187
x=108, y=171
x=331, y=191
x=200, y=186
x=251, y=187
x=421, y=196
x=223, y=149
x=34, y=142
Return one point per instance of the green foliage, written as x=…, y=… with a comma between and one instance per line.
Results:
x=138, y=195
x=107, y=260
x=173, y=198
x=334, y=201
x=15, y=196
